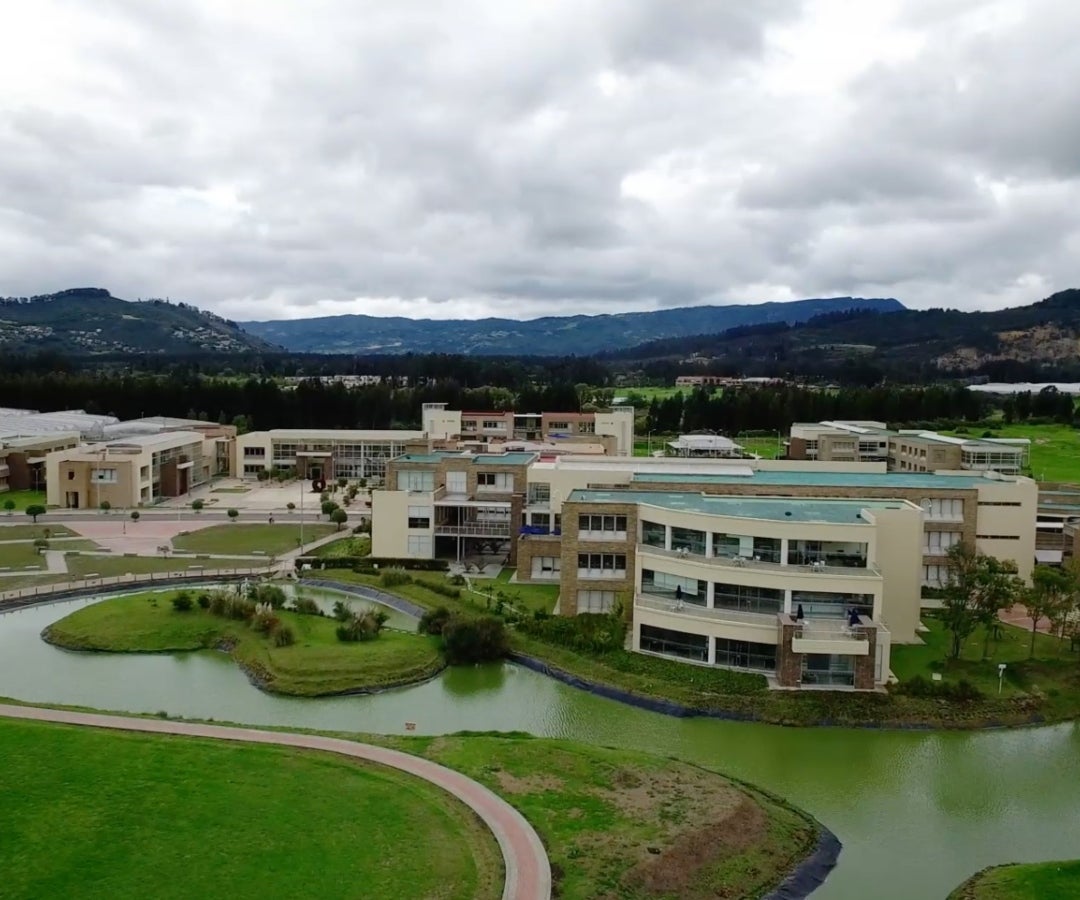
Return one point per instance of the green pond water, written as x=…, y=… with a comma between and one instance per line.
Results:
x=917, y=812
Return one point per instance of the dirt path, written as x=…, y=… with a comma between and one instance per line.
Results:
x=528, y=872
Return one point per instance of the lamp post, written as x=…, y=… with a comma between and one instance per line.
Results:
x=1001, y=676
x=649, y=450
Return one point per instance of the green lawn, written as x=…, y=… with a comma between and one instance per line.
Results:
x=1055, y=449
x=766, y=446
x=317, y=664
x=528, y=596
x=1034, y=881
x=355, y=545
x=1054, y=672
x=29, y=532
x=19, y=556
x=598, y=810
x=22, y=499
x=112, y=815
x=230, y=490
x=244, y=538
x=109, y=566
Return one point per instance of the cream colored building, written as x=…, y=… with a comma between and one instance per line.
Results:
x=327, y=453
x=135, y=471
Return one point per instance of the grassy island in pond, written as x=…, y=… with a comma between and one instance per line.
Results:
x=1034, y=881
x=316, y=664
x=98, y=814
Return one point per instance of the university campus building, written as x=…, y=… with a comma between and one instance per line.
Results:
x=325, y=453
x=805, y=571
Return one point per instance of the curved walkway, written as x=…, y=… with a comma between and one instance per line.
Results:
x=528, y=872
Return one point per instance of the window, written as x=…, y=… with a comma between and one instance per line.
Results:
x=745, y=598
x=831, y=605
x=943, y=510
x=746, y=655
x=559, y=426
x=998, y=537
x=493, y=425
x=688, y=540
x=674, y=587
x=999, y=503
x=674, y=643
x=935, y=576
x=419, y=516
x=601, y=565
x=595, y=601
x=251, y=469
x=541, y=520
x=938, y=543
x=420, y=545
x=103, y=476
x=415, y=480
x=457, y=483
x=495, y=482
x=653, y=534
x=71, y=476
x=606, y=526
x=539, y=493
x=254, y=451
x=586, y=428
x=546, y=566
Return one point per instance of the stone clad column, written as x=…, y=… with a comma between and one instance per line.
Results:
x=865, y=665
x=788, y=663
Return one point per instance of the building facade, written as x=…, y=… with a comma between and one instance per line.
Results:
x=323, y=453
x=22, y=459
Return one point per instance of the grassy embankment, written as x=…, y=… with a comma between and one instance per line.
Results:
x=1033, y=881
x=240, y=539
x=114, y=815
x=30, y=532
x=22, y=499
x=1047, y=688
x=317, y=664
x=353, y=545
x=1055, y=449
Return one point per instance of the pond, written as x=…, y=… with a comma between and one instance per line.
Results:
x=917, y=812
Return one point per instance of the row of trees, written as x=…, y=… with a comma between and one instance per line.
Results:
x=979, y=587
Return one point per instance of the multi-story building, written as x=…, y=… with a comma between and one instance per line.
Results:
x=133, y=471
x=323, y=453
x=614, y=428
x=22, y=459
x=905, y=450
x=1059, y=508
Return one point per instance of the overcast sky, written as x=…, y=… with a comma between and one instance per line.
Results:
x=458, y=159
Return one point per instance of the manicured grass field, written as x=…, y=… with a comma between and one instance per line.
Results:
x=96, y=814
x=1055, y=449
x=1034, y=881
x=29, y=532
x=530, y=596
x=22, y=499
x=356, y=545
x=317, y=664
x=244, y=538
x=230, y=490
x=1054, y=671
x=599, y=810
x=109, y=566
x=19, y=556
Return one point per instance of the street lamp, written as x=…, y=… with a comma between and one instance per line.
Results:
x=1001, y=675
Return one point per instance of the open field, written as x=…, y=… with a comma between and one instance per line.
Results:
x=19, y=556
x=645, y=395
x=98, y=814
x=243, y=538
x=767, y=446
x=354, y=545
x=1034, y=881
x=1055, y=449
x=317, y=664
x=22, y=499
x=29, y=532
x=600, y=810
x=529, y=596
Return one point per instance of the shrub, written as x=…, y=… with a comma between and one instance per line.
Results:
x=34, y=510
x=239, y=608
x=197, y=505
x=339, y=517
x=290, y=506
x=265, y=622
x=433, y=621
x=467, y=641
x=267, y=593
x=363, y=626
x=444, y=590
x=590, y=632
x=458, y=579
x=962, y=691
x=232, y=514
x=204, y=600
x=306, y=606
x=105, y=506
x=394, y=578
x=219, y=603
x=135, y=514
x=182, y=602
x=9, y=505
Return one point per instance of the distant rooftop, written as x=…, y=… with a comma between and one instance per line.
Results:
x=823, y=479
x=436, y=456
x=775, y=509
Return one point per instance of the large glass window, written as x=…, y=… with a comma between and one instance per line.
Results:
x=412, y=480
x=826, y=668
x=746, y=598
x=674, y=643
x=849, y=554
x=746, y=545
x=601, y=565
x=496, y=482
x=653, y=534
x=937, y=543
x=831, y=605
x=674, y=587
x=419, y=516
x=943, y=510
x=595, y=601
x=746, y=655
x=539, y=492
x=688, y=540
x=601, y=526
x=457, y=482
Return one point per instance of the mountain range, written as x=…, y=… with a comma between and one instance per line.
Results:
x=548, y=336
x=91, y=321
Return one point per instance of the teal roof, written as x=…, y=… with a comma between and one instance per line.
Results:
x=433, y=457
x=823, y=479
x=778, y=509
x=484, y=459
x=505, y=459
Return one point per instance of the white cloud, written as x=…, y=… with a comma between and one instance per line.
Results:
x=269, y=160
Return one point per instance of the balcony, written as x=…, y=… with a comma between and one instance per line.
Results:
x=474, y=529
x=746, y=562
x=829, y=637
x=704, y=613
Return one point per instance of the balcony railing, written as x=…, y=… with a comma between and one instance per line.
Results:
x=746, y=562
x=824, y=636
x=692, y=610
x=492, y=529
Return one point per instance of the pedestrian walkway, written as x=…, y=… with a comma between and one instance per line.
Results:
x=528, y=871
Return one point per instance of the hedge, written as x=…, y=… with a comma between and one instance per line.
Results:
x=372, y=562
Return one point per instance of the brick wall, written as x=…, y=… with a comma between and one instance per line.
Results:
x=572, y=545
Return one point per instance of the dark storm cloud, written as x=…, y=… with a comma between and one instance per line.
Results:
x=268, y=160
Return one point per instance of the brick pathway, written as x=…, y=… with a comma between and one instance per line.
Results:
x=1018, y=615
x=528, y=872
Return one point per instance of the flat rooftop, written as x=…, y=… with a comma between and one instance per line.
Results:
x=820, y=479
x=339, y=434
x=483, y=459
x=778, y=509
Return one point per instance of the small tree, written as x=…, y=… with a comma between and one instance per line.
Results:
x=467, y=641
x=9, y=505
x=182, y=602
x=290, y=506
x=976, y=589
x=135, y=514
x=41, y=544
x=341, y=482
x=1049, y=595
x=105, y=506
x=34, y=510
x=197, y=505
x=328, y=506
x=232, y=514
x=339, y=517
